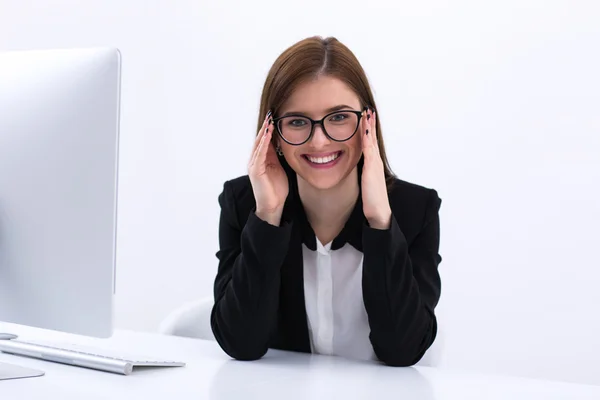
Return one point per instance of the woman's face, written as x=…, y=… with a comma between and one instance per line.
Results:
x=321, y=162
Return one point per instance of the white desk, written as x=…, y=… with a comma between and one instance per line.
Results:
x=210, y=374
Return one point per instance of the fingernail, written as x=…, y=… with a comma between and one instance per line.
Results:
x=268, y=114
x=368, y=116
x=367, y=131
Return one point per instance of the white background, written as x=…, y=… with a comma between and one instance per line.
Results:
x=494, y=104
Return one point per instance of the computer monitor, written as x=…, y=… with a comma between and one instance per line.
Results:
x=59, y=135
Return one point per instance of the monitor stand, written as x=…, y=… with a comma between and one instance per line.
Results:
x=10, y=371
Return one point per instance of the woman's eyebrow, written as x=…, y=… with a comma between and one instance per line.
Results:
x=329, y=110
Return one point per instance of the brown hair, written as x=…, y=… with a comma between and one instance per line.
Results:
x=308, y=59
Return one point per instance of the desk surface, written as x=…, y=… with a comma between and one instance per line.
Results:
x=210, y=374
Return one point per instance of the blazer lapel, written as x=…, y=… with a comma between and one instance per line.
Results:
x=293, y=325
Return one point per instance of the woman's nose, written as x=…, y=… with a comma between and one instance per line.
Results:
x=319, y=138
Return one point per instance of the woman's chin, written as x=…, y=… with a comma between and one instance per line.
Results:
x=322, y=181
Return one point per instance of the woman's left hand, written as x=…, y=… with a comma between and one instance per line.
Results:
x=376, y=205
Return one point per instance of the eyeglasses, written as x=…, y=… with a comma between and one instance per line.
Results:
x=338, y=126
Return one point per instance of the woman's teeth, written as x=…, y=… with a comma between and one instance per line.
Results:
x=323, y=160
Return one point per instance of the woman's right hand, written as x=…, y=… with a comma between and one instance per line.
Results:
x=268, y=178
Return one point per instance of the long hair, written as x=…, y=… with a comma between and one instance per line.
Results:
x=311, y=58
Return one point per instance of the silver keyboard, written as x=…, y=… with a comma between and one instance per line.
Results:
x=83, y=357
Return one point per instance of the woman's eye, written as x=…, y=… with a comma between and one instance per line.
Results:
x=338, y=117
x=297, y=122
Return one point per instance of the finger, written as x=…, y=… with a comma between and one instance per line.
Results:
x=252, y=160
x=366, y=139
x=259, y=135
x=262, y=129
x=373, y=130
x=263, y=147
x=271, y=153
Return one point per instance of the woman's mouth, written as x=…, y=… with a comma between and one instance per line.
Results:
x=323, y=160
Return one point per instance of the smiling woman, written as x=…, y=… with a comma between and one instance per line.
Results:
x=322, y=248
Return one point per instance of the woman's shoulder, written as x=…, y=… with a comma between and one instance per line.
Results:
x=239, y=185
x=237, y=197
x=400, y=188
x=411, y=199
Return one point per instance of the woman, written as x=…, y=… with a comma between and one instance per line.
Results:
x=322, y=248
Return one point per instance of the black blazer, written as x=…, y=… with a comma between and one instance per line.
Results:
x=259, y=288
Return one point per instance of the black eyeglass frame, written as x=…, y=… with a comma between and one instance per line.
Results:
x=359, y=114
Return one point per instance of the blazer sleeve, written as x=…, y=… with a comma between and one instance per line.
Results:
x=401, y=288
x=246, y=287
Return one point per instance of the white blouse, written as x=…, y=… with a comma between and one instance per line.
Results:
x=336, y=314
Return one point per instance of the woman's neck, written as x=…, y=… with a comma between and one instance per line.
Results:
x=328, y=210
